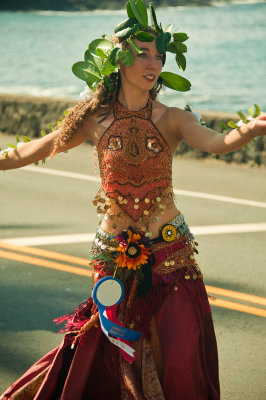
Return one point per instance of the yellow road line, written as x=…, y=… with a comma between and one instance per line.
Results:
x=44, y=263
x=236, y=295
x=45, y=253
x=87, y=272
x=238, y=307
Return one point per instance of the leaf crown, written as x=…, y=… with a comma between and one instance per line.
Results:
x=102, y=57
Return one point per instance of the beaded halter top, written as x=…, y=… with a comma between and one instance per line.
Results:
x=136, y=168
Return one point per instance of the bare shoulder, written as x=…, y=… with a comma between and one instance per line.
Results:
x=178, y=117
x=174, y=117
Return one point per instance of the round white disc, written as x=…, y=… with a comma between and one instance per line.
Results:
x=109, y=292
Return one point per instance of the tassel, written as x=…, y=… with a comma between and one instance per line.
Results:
x=86, y=327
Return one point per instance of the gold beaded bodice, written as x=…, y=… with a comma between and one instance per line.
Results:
x=135, y=166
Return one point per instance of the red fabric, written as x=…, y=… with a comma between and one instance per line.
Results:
x=91, y=371
x=188, y=345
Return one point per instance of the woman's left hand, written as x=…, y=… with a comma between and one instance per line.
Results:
x=258, y=125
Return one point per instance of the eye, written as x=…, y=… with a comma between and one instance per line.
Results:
x=159, y=57
x=142, y=55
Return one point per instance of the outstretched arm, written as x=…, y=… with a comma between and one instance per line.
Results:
x=189, y=129
x=39, y=149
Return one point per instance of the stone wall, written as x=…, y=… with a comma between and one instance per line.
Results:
x=26, y=115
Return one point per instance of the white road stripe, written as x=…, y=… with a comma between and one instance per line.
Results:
x=186, y=193
x=65, y=174
x=56, y=239
x=88, y=237
x=226, y=199
x=229, y=228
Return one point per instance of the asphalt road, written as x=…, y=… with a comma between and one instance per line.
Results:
x=34, y=204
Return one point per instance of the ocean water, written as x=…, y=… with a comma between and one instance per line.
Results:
x=226, y=59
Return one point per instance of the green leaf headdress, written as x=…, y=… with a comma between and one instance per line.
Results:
x=102, y=56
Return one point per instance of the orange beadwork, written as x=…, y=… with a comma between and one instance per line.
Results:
x=135, y=164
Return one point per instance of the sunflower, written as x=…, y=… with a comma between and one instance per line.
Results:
x=133, y=253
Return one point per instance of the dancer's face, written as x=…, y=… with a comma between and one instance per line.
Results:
x=145, y=70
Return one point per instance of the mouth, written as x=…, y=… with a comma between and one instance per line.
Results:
x=149, y=78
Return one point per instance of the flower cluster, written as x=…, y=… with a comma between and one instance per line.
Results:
x=133, y=250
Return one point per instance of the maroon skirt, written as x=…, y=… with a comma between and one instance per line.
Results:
x=176, y=357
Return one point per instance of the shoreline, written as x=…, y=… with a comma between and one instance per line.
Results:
x=29, y=115
x=106, y=6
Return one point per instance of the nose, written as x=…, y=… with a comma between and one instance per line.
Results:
x=152, y=63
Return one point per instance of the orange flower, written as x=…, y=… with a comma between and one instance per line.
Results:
x=134, y=254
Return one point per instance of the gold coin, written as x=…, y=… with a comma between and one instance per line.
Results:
x=187, y=277
x=136, y=206
x=146, y=212
x=136, y=200
x=172, y=262
x=147, y=200
x=175, y=288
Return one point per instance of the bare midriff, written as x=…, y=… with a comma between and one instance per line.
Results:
x=154, y=227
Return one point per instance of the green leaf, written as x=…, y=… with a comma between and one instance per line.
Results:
x=180, y=37
x=100, y=53
x=51, y=127
x=36, y=163
x=188, y=108
x=143, y=9
x=59, y=123
x=232, y=124
x=162, y=41
x=176, y=82
x=101, y=44
x=127, y=23
x=154, y=22
x=92, y=59
x=126, y=57
x=86, y=71
x=12, y=146
x=114, y=55
x=125, y=33
x=177, y=47
x=258, y=110
x=140, y=12
x=17, y=138
x=26, y=139
x=65, y=112
x=181, y=61
x=134, y=45
x=252, y=111
x=129, y=10
x=242, y=116
x=43, y=133
x=108, y=68
x=145, y=37
x=223, y=126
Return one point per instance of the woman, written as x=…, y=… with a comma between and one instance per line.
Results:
x=143, y=240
